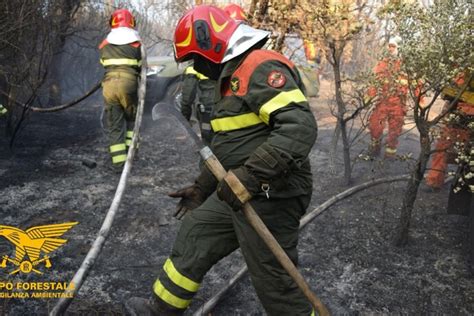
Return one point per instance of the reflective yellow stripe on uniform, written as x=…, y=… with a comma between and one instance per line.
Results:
x=280, y=100
x=231, y=123
x=117, y=147
x=191, y=71
x=168, y=297
x=179, y=279
x=390, y=150
x=2, y=110
x=120, y=61
x=119, y=158
x=467, y=96
x=312, y=313
x=128, y=138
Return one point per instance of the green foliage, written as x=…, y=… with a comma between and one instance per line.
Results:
x=437, y=42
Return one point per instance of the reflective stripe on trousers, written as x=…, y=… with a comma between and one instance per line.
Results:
x=128, y=138
x=176, y=289
x=118, y=153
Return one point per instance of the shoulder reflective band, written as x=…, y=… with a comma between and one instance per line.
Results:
x=280, y=100
x=3, y=110
x=190, y=71
x=231, y=123
x=168, y=297
x=467, y=96
x=120, y=61
x=179, y=279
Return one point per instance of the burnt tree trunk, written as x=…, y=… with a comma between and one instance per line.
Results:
x=62, y=18
x=412, y=186
x=341, y=110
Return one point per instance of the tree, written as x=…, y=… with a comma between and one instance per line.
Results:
x=336, y=26
x=436, y=47
x=33, y=38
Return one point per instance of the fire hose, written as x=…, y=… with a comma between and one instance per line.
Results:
x=59, y=107
x=96, y=248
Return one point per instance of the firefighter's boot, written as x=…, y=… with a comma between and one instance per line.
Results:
x=374, y=148
x=137, y=306
x=390, y=153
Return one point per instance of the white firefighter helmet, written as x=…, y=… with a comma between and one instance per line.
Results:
x=396, y=40
x=242, y=39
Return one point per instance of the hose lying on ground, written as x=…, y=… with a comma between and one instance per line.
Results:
x=94, y=252
x=207, y=307
x=59, y=107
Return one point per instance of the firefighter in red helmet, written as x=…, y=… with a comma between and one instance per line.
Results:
x=263, y=132
x=196, y=84
x=121, y=57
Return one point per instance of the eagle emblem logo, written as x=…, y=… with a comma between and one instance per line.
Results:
x=31, y=244
x=234, y=84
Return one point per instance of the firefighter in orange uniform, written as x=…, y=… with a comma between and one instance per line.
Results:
x=390, y=103
x=313, y=56
x=454, y=130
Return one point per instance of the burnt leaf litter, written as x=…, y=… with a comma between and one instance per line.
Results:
x=346, y=254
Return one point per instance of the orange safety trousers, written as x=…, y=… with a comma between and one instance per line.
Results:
x=439, y=161
x=394, y=114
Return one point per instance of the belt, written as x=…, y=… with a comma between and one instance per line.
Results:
x=119, y=74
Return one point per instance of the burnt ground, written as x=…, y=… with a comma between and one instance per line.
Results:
x=346, y=254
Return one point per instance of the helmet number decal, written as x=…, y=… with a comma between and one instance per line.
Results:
x=276, y=79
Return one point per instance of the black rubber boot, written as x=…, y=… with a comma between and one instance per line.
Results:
x=137, y=306
x=374, y=149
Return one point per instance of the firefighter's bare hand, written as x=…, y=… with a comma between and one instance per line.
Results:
x=191, y=198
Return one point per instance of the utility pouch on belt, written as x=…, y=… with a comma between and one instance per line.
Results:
x=268, y=166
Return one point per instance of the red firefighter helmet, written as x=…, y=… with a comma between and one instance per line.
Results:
x=235, y=12
x=122, y=18
x=203, y=30
x=211, y=33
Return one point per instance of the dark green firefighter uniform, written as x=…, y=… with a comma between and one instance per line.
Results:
x=262, y=123
x=122, y=68
x=196, y=84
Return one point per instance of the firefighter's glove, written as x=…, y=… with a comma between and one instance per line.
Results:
x=194, y=195
x=206, y=182
x=191, y=197
x=237, y=187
